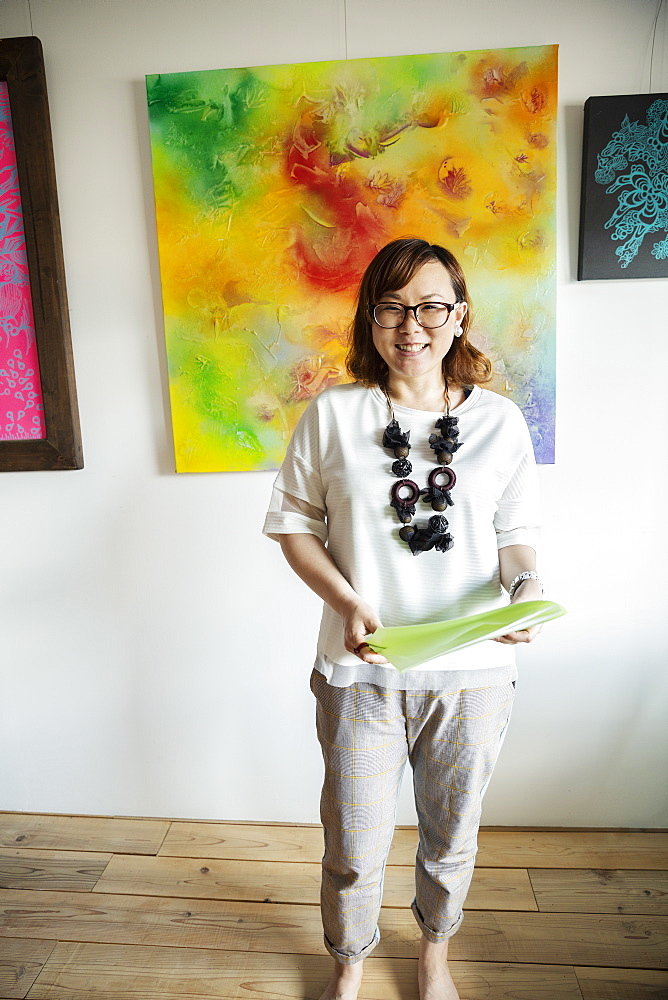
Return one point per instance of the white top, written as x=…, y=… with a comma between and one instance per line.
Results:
x=336, y=462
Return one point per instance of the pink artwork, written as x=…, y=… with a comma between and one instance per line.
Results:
x=21, y=406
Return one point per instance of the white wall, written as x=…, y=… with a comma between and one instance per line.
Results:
x=156, y=652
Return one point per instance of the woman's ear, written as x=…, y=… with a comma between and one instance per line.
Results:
x=461, y=309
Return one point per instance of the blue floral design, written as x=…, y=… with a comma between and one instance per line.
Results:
x=642, y=202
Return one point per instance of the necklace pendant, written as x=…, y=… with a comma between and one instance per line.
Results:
x=445, y=444
x=434, y=536
x=402, y=468
x=394, y=437
x=405, y=506
x=438, y=494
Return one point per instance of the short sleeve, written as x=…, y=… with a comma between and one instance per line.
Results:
x=288, y=515
x=517, y=519
x=298, y=503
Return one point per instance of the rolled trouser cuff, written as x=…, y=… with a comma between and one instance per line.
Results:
x=352, y=959
x=436, y=936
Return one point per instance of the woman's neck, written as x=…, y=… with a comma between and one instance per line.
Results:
x=430, y=397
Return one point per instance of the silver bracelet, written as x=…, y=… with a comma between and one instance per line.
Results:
x=520, y=578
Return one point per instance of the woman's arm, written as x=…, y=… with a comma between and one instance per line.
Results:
x=513, y=560
x=311, y=561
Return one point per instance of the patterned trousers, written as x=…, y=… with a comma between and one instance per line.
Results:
x=452, y=740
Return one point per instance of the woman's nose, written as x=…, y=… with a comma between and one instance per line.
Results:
x=410, y=321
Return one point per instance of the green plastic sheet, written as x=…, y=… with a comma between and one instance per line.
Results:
x=406, y=646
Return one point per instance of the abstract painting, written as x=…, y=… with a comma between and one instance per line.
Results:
x=21, y=404
x=276, y=185
x=624, y=204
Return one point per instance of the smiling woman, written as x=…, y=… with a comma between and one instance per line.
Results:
x=342, y=508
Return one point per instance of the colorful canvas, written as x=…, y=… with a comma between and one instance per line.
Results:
x=21, y=407
x=276, y=185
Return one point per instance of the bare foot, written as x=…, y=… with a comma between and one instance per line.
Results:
x=345, y=982
x=434, y=979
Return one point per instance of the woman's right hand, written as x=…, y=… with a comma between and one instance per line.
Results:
x=359, y=621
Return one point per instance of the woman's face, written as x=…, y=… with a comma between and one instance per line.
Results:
x=411, y=351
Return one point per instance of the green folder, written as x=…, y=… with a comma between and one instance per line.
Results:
x=406, y=646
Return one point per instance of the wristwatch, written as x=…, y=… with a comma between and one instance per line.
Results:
x=520, y=578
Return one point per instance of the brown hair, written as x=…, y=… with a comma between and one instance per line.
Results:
x=391, y=269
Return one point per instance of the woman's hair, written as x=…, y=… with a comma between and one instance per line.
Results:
x=390, y=270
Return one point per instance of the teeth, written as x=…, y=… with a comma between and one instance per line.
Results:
x=411, y=348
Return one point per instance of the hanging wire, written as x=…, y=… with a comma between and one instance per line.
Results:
x=345, y=26
x=32, y=32
x=651, y=58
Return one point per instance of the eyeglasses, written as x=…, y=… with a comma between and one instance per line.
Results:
x=430, y=315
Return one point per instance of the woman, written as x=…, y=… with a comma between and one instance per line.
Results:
x=407, y=496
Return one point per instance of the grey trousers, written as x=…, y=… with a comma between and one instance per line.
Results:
x=452, y=740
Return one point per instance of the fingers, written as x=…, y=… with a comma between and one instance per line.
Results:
x=360, y=623
x=367, y=655
x=356, y=643
x=512, y=638
x=522, y=635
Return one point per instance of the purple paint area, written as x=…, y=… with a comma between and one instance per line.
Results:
x=21, y=404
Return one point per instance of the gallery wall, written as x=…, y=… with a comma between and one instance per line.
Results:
x=154, y=648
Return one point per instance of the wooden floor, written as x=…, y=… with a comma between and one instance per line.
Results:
x=153, y=909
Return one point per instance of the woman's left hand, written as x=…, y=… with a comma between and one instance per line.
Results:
x=523, y=635
x=529, y=590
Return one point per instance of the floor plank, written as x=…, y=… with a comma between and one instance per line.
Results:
x=176, y=923
x=497, y=848
x=563, y=938
x=622, y=984
x=240, y=842
x=587, y=891
x=82, y=833
x=20, y=964
x=544, y=938
x=68, y=870
x=285, y=882
x=573, y=849
x=160, y=973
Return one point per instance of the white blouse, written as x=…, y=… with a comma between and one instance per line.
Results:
x=335, y=483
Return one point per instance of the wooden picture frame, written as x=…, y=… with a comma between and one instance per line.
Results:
x=22, y=68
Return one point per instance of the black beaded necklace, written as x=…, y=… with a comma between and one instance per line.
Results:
x=444, y=444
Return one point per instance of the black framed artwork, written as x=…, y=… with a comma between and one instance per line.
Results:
x=624, y=203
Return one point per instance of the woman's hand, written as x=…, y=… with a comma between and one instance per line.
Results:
x=359, y=621
x=528, y=590
x=523, y=635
